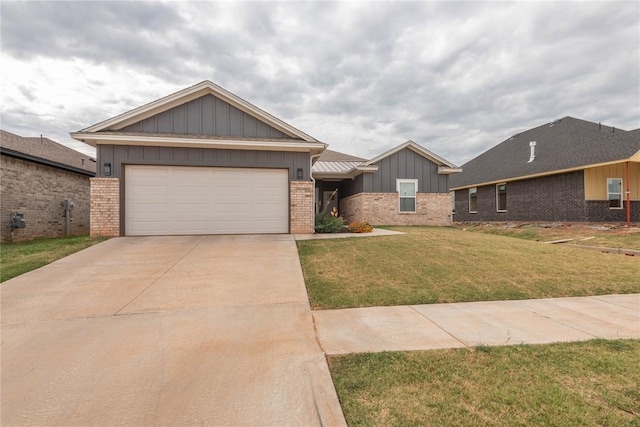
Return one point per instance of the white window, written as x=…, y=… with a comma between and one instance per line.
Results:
x=501, y=197
x=407, y=189
x=614, y=193
x=473, y=200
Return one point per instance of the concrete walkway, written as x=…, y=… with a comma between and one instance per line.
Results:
x=185, y=330
x=436, y=326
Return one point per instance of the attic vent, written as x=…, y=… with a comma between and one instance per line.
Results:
x=552, y=124
x=532, y=144
x=515, y=135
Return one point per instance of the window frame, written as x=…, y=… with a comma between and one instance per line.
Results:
x=498, y=197
x=621, y=193
x=475, y=191
x=414, y=197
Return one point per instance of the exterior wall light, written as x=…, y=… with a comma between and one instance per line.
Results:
x=107, y=169
x=300, y=173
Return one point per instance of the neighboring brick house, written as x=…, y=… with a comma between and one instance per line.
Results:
x=568, y=170
x=407, y=185
x=200, y=161
x=36, y=176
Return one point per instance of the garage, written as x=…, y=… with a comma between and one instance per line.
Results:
x=176, y=200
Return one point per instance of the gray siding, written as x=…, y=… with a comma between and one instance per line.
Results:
x=405, y=164
x=119, y=155
x=349, y=187
x=206, y=115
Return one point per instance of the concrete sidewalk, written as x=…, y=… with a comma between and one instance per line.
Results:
x=436, y=326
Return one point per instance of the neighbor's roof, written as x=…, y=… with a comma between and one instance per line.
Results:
x=46, y=151
x=561, y=146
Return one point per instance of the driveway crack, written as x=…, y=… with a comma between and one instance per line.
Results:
x=158, y=278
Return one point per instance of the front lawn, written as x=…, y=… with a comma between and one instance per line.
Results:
x=587, y=383
x=21, y=257
x=440, y=264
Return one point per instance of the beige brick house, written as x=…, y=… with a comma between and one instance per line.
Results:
x=37, y=175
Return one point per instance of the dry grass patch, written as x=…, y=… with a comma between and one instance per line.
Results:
x=436, y=265
x=588, y=383
x=609, y=236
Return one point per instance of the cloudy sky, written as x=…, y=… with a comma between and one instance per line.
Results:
x=455, y=77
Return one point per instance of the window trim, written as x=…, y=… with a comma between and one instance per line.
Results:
x=415, y=197
x=621, y=193
x=476, y=193
x=498, y=197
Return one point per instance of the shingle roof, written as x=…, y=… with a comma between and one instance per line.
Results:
x=564, y=144
x=336, y=156
x=47, y=150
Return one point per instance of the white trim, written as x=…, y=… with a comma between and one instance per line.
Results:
x=415, y=148
x=442, y=170
x=171, y=141
x=400, y=196
x=186, y=95
x=469, y=198
x=622, y=193
x=498, y=197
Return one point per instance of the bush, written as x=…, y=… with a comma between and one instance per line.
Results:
x=360, y=227
x=329, y=224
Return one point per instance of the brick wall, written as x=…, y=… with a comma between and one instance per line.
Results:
x=550, y=198
x=384, y=209
x=105, y=207
x=301, y=199
x=599, y=211
x=37, y=191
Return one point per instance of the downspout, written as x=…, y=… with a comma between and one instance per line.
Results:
x=628, y=197
x=313, y=180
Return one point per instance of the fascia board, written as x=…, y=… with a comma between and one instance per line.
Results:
x=448, y=171
x=96, y=138
x=189, y=94
x=416, y=149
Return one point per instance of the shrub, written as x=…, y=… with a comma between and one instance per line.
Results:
x=360, y=227
x=329, y=224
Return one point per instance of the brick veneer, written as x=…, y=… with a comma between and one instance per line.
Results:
x=105, y=207
x=37, y=191
x=302, y=218
x=383, y=209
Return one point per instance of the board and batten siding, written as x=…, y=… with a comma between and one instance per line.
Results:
x=119, y=155
x=405, y=164
x=595, y=180
x=206, y=115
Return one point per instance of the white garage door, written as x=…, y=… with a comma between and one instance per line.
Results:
x=165, y=200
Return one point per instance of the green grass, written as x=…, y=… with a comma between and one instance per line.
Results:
x=19, y=258
x=439, y=264
x=592, y=383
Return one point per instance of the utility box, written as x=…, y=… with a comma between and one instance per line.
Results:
x=16, y=220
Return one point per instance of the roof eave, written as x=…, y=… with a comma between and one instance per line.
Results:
x=94, y=139
x=415, y=148
x=47, y=162
x=442, y=170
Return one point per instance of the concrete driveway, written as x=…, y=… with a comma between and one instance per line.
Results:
x=209, y=330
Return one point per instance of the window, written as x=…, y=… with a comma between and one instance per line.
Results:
x=501, y=197
x=407, y=188
x=614, y=193
x=473, y=200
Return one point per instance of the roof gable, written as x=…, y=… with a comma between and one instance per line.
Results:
x=564, y=144
x=417, y=149
x=45, y=150
x=167, y=103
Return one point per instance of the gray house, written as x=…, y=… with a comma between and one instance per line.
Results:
x=204, y=161
x=407, y=185
x=567, y=170
x=37, y=176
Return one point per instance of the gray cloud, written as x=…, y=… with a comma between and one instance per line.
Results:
x=457, y=77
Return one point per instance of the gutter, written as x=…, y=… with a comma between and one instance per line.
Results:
x=40, y=160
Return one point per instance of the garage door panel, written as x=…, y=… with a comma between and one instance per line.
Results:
x=165, y=200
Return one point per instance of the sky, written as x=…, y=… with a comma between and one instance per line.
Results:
x=363, y=77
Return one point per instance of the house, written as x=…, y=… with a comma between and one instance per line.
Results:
x=37, y=176
x=407, y=185
x=200, y=161
x=205, y=161
x=567, y=170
